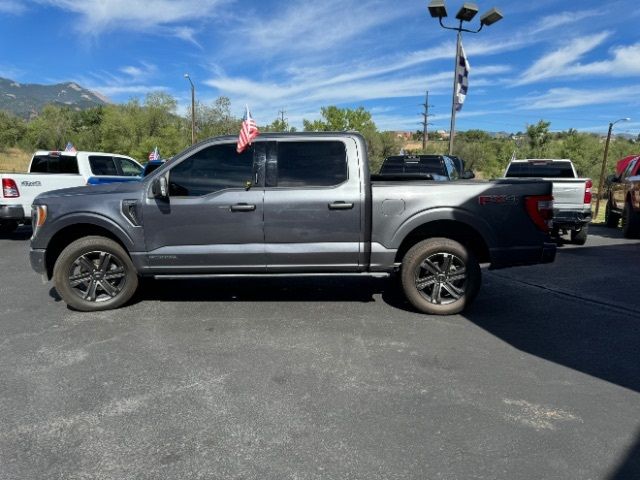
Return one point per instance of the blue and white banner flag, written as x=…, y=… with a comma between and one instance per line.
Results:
x=462, y=83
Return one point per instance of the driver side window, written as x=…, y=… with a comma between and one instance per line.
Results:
x=211, y=170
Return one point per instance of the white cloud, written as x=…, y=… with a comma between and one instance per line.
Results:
x=562, y=19
x=139, y=72
x=625, y=62
x=561, y=61
x=572, y=97
x=305, y=26
x=98, y=16
x=133, y=80
x=11, y=7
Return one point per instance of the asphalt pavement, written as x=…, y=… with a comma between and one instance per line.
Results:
x=332, y=378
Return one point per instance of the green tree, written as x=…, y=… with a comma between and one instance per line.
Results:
x=538, y=137
x=12, y=130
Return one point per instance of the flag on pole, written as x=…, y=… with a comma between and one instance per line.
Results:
x=462, y=83
x=70, y=148
x=155, y=155
x=248, y=132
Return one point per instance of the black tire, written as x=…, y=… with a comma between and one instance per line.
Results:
x=579, y=237
x=8, y=226
x=630, y=222
x=611, y=219
x=95, y=273
x=443, y=284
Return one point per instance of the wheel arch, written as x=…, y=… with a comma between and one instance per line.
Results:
x=75, y=231
x=460, y=232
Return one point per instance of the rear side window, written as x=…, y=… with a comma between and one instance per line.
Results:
x=101, y=165
x=413, y=165
x=54, y=164
x=311, y=164
x=127, y=167
x=540, y=169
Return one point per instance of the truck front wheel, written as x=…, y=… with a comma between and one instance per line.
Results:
x=630, y=222
x=440, y=276
x=95, y=273
x=611, y=219
x=8, y=226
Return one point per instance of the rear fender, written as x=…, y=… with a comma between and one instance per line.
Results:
x=436, y=214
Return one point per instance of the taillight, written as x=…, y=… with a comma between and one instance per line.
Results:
x=587, y=192
x=540, y=210
x=9, y=188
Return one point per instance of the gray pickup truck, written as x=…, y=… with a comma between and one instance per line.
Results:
x=291, y=204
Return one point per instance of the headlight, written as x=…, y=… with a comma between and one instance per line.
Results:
x=38, y=216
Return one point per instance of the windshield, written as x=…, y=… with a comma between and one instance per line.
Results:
x=540, y=169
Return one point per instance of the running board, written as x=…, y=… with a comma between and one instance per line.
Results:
x=268, y=275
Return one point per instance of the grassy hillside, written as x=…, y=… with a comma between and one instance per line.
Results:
x=14, y=160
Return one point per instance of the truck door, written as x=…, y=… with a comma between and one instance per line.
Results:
x=314, y=206
x=213, y=218
x=620, y=188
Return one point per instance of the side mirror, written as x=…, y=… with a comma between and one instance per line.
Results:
x=160, y=187
x=468, y=175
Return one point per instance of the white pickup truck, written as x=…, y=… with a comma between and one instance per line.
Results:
x=571, y=195
x=55, y=170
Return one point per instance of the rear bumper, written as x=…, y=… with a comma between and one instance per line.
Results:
x=571, y=218
x=37, y=257
x=12, y=212
x=512, y=257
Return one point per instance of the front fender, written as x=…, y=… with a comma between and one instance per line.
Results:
x=84, y=218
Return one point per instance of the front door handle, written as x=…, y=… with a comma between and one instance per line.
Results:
x=340, y=206
x=243, y=207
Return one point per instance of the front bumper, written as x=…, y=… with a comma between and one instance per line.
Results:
x=12, y=212
x=518, y=256
x=37, y=257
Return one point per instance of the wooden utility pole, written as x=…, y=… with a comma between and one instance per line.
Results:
x=425, y=122
x=283, y=119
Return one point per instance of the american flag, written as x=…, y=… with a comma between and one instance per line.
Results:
x=462, y=82
x=155, y=155
x=248, y=132
x=70, y=148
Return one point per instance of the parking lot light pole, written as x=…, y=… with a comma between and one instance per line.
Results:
x=193, y=109
x=438, y=10
x=604, y=162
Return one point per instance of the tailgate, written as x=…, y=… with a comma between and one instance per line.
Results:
x=30, y=185
x=569, y=193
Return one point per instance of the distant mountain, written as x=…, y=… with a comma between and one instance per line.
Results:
x=28, y=99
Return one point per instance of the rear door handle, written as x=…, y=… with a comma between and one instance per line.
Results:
x=243, y=207
x=340, y=206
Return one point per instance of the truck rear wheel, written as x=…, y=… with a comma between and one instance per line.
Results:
x=95, y=273
x=630, y=222
x=579, y=236
x=440, y=276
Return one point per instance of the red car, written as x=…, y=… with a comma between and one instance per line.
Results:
x=624, y=197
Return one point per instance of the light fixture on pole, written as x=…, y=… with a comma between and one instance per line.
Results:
x=604, y=162
x=193, y=109
x=467, y=12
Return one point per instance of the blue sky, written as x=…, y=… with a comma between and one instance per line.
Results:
x=574, y=63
